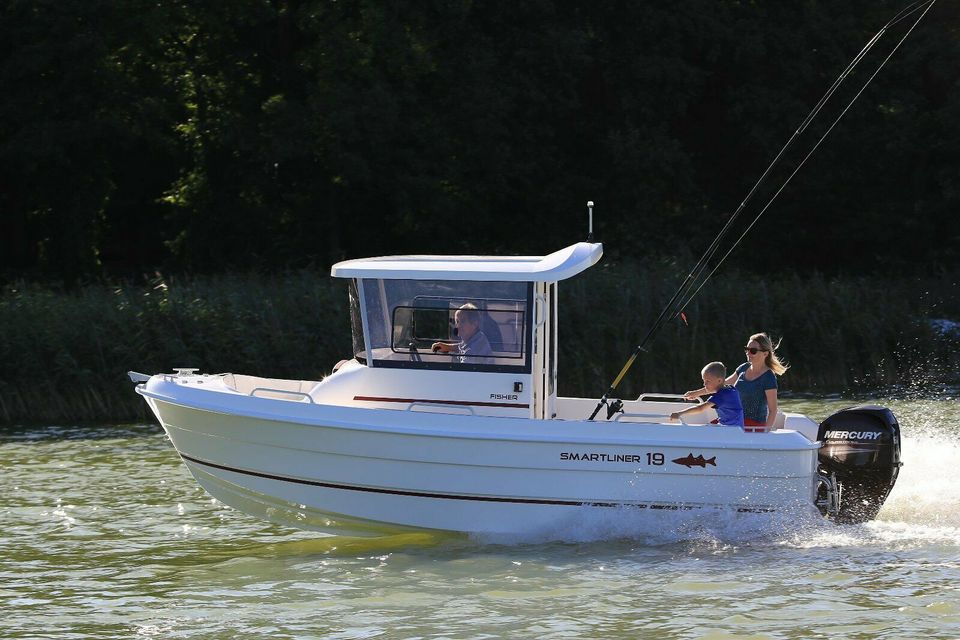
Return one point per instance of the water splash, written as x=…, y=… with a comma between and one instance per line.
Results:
x=928, y=490
x=923, y=508
x=709, y=527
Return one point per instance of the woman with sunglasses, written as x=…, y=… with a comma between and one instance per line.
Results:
x=756, y=380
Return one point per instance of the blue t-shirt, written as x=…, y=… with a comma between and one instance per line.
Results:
x=753, y=393
x=727, y=403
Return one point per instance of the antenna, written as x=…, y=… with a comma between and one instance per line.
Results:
x=589, y=220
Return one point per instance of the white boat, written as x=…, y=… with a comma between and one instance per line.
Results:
x=479, y=440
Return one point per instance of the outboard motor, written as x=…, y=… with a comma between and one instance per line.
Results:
x=859, y=461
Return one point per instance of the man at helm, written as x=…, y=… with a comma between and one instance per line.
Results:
x=473, y=347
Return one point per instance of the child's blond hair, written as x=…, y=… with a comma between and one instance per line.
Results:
x=716, y=369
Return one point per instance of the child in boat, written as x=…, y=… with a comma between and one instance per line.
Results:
x=725, y=399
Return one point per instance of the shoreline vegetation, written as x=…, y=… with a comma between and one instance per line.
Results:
x=65, y=353
x=212, y=136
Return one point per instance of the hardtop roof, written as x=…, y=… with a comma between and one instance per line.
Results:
x=554, y=267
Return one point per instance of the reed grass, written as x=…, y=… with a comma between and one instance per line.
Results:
x=840, y=335
x=65, y=354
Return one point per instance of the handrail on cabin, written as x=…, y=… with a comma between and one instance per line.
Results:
x=667, y=396
x=659, y=416
x=436, y=405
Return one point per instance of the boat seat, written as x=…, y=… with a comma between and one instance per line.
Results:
x=491, y=329
x=509, y=339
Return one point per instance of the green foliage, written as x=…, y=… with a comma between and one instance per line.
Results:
x=200, y=138
x=839, y=334
x=81, y=107
x=66, y=353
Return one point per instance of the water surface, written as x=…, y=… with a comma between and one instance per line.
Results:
x=105, y=534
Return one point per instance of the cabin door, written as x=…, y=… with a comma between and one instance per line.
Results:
x=545, y=351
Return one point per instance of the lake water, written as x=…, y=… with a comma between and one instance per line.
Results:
x=105, y=535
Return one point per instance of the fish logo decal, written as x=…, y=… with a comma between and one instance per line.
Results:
x=699, y=461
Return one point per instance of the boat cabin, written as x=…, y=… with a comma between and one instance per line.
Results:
x=457, y=334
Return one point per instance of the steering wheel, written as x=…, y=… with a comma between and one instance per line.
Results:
x=414, y=354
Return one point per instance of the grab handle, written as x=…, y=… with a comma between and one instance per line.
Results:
x=292, y=393
x=540, y=314
x=659, y=416
x=437, y=405
x=669, y=397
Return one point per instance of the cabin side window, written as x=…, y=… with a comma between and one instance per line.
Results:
x=356, y=324
x=452, y=325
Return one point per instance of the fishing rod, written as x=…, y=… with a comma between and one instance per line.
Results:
x=682, y=297
x=683, y=306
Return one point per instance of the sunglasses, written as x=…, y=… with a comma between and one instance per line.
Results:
x=753, y=350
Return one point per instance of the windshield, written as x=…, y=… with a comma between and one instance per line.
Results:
x=439, y=324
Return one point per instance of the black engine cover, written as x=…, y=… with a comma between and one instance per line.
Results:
x=861, y=447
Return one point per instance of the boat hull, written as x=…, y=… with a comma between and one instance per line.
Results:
x=366, y=471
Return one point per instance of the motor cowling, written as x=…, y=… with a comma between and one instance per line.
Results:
x=861, y=452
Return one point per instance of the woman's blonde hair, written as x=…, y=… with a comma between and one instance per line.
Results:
x=776, y=365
